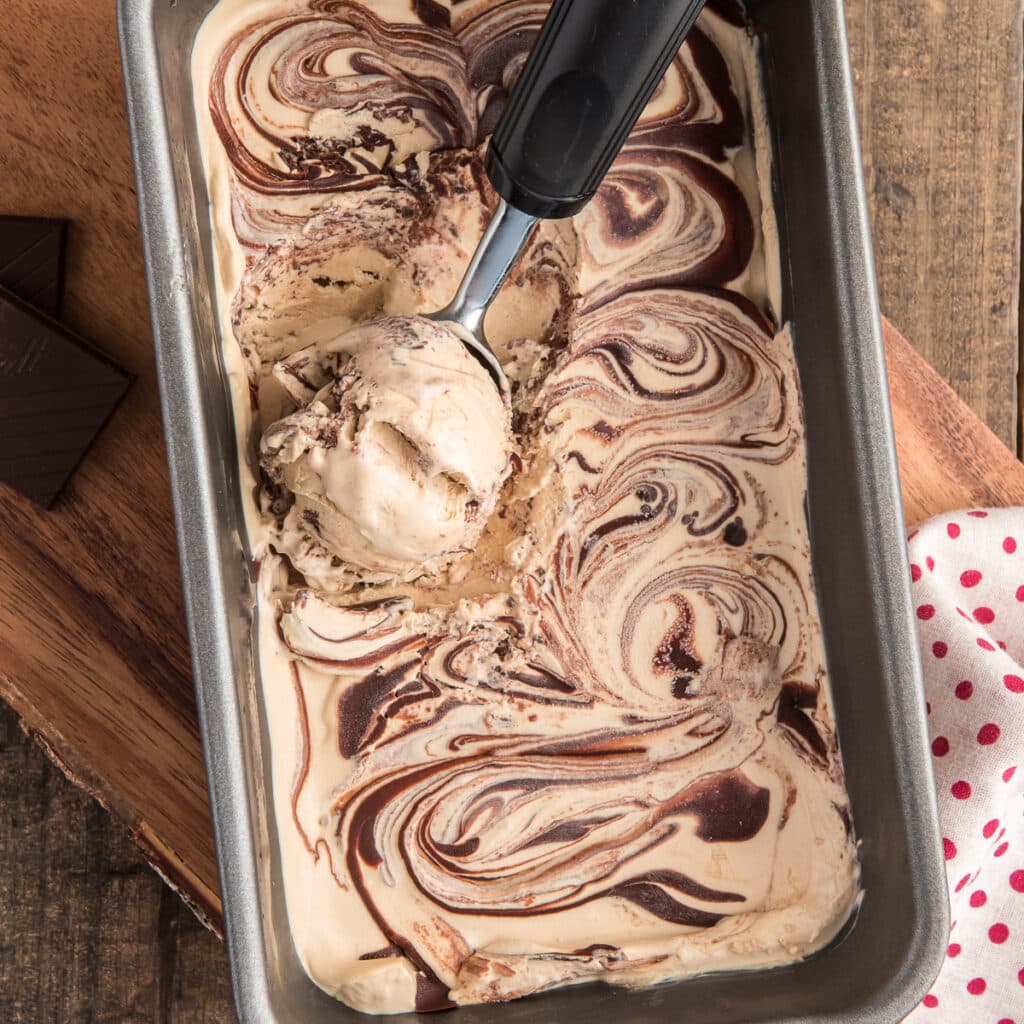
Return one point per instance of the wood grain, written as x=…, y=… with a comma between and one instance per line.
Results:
x=948, y=458
x=89, y=933
x=92, y=646
x=90, y=592
x=939, y=92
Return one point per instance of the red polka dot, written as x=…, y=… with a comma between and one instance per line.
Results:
x=984, y=644
x=1009, y=545
x=1002, y=645
x=978, y=898
x=970, y=578
x=925, y=611
x=984, y=615
x=964, y=689
x=1008, y=774
x=939, y=649
x=998, y=933
x=953, y=530
x=915, y=572
x=948, y=848
x=963, y=614
x=1014, y=683
x=928, y=706
x=1000, y=850
x=990, y=827
x=940, y=746
x=963, y=881
x=1017, y=881
x=976, y=986
x=954, y=949
x=988, y=734
x=961, y=790
x=1004, y=1020
x=1020, y=592
x=931, y=1002
x=978, y=514
x=929, y=564
x=1020, y=975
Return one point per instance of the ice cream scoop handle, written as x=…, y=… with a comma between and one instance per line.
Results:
x=590, y=73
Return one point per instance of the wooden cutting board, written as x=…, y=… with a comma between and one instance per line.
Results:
x=93, y=653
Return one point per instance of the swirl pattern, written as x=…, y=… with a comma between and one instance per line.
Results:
x=652, y=360
x=662, y=216
x=336, y=97
x=600, y=745
x=694, y=107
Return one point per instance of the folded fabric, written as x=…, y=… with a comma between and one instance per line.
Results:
x=968, y=588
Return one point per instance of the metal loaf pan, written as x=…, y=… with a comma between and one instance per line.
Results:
x=892, y=949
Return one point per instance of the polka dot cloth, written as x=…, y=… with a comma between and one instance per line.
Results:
x=967, y=570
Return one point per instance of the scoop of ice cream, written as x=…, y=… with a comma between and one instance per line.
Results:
x=396, y=462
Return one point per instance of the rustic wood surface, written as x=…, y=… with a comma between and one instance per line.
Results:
x=939, y=101
x=91, y=590
x=92, y=650
x=949, y=459
x=88, y=933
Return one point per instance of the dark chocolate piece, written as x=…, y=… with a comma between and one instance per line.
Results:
x=56, y=392
x=32, y=261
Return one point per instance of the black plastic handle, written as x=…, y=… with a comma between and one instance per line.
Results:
x=586, y=81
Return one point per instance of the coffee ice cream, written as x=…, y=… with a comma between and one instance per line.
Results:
x=396, y=461
x=545, y=684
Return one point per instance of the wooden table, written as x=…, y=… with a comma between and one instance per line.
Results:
x=87, y=931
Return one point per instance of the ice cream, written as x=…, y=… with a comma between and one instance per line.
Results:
x=593, y=738
x=406, y=421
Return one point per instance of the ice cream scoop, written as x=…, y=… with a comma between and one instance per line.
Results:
x=396, y=475
x=589, y=75
x=396, y=463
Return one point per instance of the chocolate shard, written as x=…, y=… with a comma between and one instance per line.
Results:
x=56, y=393
x=32, y=261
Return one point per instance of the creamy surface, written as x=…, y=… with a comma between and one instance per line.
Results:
x=396, y=454
x=570, y=720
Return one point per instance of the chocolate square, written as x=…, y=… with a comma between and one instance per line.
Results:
x=56, y=393
x=32, y=261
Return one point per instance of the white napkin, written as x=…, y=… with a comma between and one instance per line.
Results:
x=968, y=589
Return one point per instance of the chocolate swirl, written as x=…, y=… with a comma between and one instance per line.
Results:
x=662, y=217
x=600, y=745
x=638, y=611
x=465, y=828
x=698, y=366
x=336, y=98
x=497, y=41
x=693, y=107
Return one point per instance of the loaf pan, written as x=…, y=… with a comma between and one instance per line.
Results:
x=889, y=953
